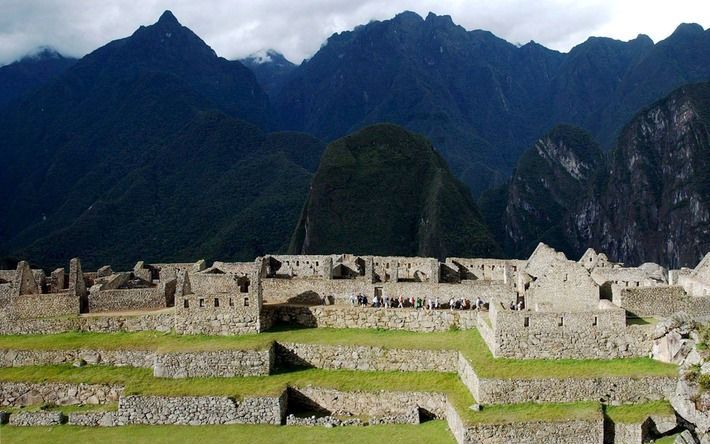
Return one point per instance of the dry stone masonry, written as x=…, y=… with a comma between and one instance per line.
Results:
x=545, y=307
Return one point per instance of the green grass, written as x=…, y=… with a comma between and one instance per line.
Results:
x=141, y=382
x=468, y=341
x=637, y=413
x=433, y=432
x=647, y=320
x=666, y=440
x=530, y=412
x=486, y=366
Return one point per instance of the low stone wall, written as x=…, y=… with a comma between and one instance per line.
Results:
x=366, y=358
x=567, y=432
x=162, y=321
x=622, y=389
x=366, y=317
x=21, y=394
x=375, y=404
x=468, y=376
x=294, y=291
x=26, y=419
x=533, y=432
x=217, y=321
x=126, y=299
x=201, y=410
x=35, y=306
x=119, y=358
x=598, y=334
x=223, y=363
x=93, y=419
x=662, y=301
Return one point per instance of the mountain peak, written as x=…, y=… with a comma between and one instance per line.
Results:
x=42, y=53
x=167, y=18
x=688, y=29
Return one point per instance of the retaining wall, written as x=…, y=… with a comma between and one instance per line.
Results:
x=367, y=317
x=126, y=299
x=661, y=301
x=366, y=358
x=222, y=363
x=598, y=334
x=21, y=394
x=374, y=404
x=201, y=410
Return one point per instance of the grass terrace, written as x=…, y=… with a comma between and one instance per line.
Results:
x=142, y=382
x=433, y=432
x=468, y=342
x=637, y=413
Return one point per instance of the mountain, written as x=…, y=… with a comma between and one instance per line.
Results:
x=385, y=191
x=271, y=69
x=149, y=147
x=547, y=181
x=481, y=100
x=651, y=202
x=648, y=200
x=31, y=72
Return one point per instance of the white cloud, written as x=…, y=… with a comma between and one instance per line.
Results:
x=236, y=28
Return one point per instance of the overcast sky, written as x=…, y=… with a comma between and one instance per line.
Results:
x=297, y=28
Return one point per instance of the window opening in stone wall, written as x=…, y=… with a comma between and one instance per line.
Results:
x=561, y=323
x=526, y=322
x=317, y=265
x=244, y=287
x=216, y=302
x=595, y=321
x=186, y=303
x=297, y=263
x=246, y=302
x=202, y=302
x=231, y=302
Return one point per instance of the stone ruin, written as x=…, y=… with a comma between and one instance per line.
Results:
x=547, y=306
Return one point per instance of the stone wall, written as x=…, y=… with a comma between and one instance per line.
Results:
x=611, y=389
x=661, y=301
x=26, y=419
x=201, y=410
x=126, y=300
x=366, y=358
x=93, y=419
x=20, y=394
x=598, y=334
x=217, y=321
x=223, y=363
x=567, y=432
x=34, y=306
x=366, y=317
x=374, y=404
x=159, y=321
x=340, y=290
x=162, y=321
x=119, y=358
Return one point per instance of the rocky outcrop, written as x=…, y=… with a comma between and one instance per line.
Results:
x=671, y=339
x=651, y=203
x=545, y=184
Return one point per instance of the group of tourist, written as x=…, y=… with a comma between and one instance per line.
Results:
x=517, y=306
x=428, y=303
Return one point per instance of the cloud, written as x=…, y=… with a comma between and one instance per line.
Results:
x=236, y=28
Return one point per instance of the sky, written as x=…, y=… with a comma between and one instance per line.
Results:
x=297, y=28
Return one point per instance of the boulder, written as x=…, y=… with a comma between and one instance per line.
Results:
x=671, y=348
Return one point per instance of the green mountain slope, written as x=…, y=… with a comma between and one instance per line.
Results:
x=142, y=150
x=385, y=191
